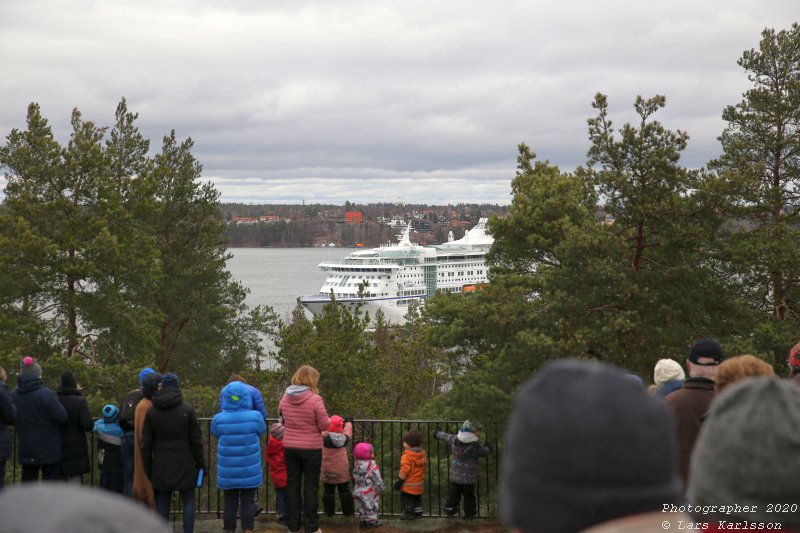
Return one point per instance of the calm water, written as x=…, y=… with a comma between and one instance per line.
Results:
x=278, y=276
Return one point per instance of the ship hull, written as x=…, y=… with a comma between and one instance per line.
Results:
x=394, y=308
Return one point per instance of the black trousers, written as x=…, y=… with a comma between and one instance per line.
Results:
x=232, y=499
x=50, y=472
x=453, y=501
x=411, y=503
x=345, y=496
x=302, y=473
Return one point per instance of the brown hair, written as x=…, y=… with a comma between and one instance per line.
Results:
x=306, y=375
x=737, y=368
x=236, y=377
x=413, y=438
x=3, y=374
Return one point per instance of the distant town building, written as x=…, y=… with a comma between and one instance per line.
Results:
x=353, y=217
x=421, y=225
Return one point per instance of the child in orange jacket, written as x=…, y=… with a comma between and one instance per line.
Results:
x=411, y=482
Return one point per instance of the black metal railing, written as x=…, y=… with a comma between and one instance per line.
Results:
x=386, y=436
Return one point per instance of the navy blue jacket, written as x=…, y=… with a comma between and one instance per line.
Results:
x=238, y=428
x=8, y=413
x=39, y=419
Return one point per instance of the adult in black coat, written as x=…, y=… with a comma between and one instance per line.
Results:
x=74, y=450
x=39, y=419
x=172, y=449
x=8, y=413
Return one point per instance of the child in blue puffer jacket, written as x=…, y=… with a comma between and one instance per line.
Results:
x=239, y=470
x=109, y=448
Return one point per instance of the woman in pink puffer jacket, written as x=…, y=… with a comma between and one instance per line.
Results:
x=304, y=419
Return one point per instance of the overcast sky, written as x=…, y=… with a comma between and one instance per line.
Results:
x=371, y=101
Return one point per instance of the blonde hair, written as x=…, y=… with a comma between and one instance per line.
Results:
x=737, y=368
x=306, y=375
x=3, y=374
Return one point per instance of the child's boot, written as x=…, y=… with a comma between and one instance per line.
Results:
x=329, y=504
x=348, y=505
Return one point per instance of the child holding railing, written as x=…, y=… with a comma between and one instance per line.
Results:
x=411, y=480
x=465, y=450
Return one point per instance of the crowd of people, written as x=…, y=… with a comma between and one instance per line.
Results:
x=151, y=447
x=588, y=449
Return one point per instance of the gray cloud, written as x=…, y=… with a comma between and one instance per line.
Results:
x=367, y=101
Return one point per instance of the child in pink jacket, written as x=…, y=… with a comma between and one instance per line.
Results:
x=336, y=466
x=368, y=485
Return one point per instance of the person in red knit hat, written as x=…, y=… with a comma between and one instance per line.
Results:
x=335, y=470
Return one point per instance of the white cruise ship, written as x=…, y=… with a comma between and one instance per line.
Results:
x=394, y=275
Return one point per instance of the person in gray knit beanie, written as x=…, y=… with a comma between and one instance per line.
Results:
x=30, y=367
x=586, y=445
x=746, y=453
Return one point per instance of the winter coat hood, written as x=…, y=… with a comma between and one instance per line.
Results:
x=417, y=456
x=236, y=397
x=297, y=394
x=28, y=383
x=150, y=385
x=69, y=391
x=108, y=432
x=337, y=439
x=167, y=398
x=363, y=466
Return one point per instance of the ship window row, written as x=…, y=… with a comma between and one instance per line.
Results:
x=448, y=289
x=461, y=273
x=351, y=270
x=363, y=277
x=354, y=295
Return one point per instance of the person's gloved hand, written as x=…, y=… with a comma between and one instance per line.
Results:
x=398, y=484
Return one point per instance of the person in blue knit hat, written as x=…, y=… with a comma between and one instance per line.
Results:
x=127, y=421
x=239, y=471
x=109, y=444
